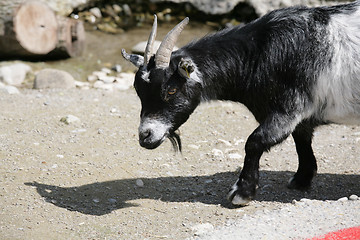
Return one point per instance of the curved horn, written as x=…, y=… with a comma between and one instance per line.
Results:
x=135, y=59
x=163, y=54
x=150, y=44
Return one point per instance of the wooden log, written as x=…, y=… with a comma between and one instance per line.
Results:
x=30, y=29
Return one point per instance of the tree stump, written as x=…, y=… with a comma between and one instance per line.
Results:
x=30, y=29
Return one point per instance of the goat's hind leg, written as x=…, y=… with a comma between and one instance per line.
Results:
x=272, y=131
x=307, y=162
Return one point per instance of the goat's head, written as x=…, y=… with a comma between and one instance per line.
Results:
x=168, y=86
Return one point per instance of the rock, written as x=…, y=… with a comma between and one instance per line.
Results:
x=53, y=78
x=140, y=47
x=217, y=153
x=353, y=197
x=103, y=86
x=69, y=119
x=14, y=74
x=127, y=10
x=124, y=81
x=305, y=200
x=96, y=12
x=99, y=74
x=117, y=68
x=343, y=199
x=106, y=70
x=139, y=183
x=227, y=143
x=107, y=79
x=261, y=7
x=82, y=85
x=202, y=229
x=235, y=156
x=193, y=146
x=92, y=78
x=10, y=89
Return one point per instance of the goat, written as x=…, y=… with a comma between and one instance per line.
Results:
x=295, y=69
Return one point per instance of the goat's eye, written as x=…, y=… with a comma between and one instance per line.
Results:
x=172, y=91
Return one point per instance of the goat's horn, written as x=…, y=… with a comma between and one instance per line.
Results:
x=163, y=54
x=135, y=59
x=150, y=43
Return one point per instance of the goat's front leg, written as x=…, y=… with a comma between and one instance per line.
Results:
x=271, y=132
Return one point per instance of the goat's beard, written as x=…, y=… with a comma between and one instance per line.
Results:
x=175, y=141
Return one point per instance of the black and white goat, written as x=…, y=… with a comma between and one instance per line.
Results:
x=294, y=69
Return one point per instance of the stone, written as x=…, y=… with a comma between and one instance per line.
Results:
x=103, y=86
x=124, y=81
x=202, y=229
x=139, y=183
x=96, y=12
x=343, y=199
x=69, y=119
x=107, y=79
x=14, y=74
x=235, y=156
x=217, y=153
x=53, y=78
x=92, y=78
x=10, y=89
x=117, y=68
x=353, y=197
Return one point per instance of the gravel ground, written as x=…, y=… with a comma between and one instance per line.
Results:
x=90, y=179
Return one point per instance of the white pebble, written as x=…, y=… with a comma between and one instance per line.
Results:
x=353, y=197
x=305, y=200
x=96, y=200
x=193, y=146
x=139, y=183
x=227, y=143
x=343, y=199
x=69, y=119
x=11, y=90
x=217, y=153
x=235, y=156
x=106, y=70
x=202, y=229
x=92, y=78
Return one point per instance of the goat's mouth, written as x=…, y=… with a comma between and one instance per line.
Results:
x=150, y=143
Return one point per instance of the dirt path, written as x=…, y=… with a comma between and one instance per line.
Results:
x=91, y=180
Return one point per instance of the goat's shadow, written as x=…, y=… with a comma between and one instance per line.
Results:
x=100, y=198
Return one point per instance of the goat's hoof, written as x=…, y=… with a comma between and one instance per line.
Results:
x=294, y=183
x=236, y=198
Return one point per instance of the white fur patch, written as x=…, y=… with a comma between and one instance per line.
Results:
x=145, y=76
x=237, y=200
x=159, y=129
x=339, y=84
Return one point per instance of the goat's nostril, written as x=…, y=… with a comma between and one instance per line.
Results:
x=145, y=134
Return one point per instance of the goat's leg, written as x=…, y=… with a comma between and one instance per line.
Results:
x=272, y=131
x=307, y=162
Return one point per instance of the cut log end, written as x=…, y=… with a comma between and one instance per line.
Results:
x=35, y=26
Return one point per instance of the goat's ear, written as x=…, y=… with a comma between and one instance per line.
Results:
x=135, y=59
x=186, y=67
